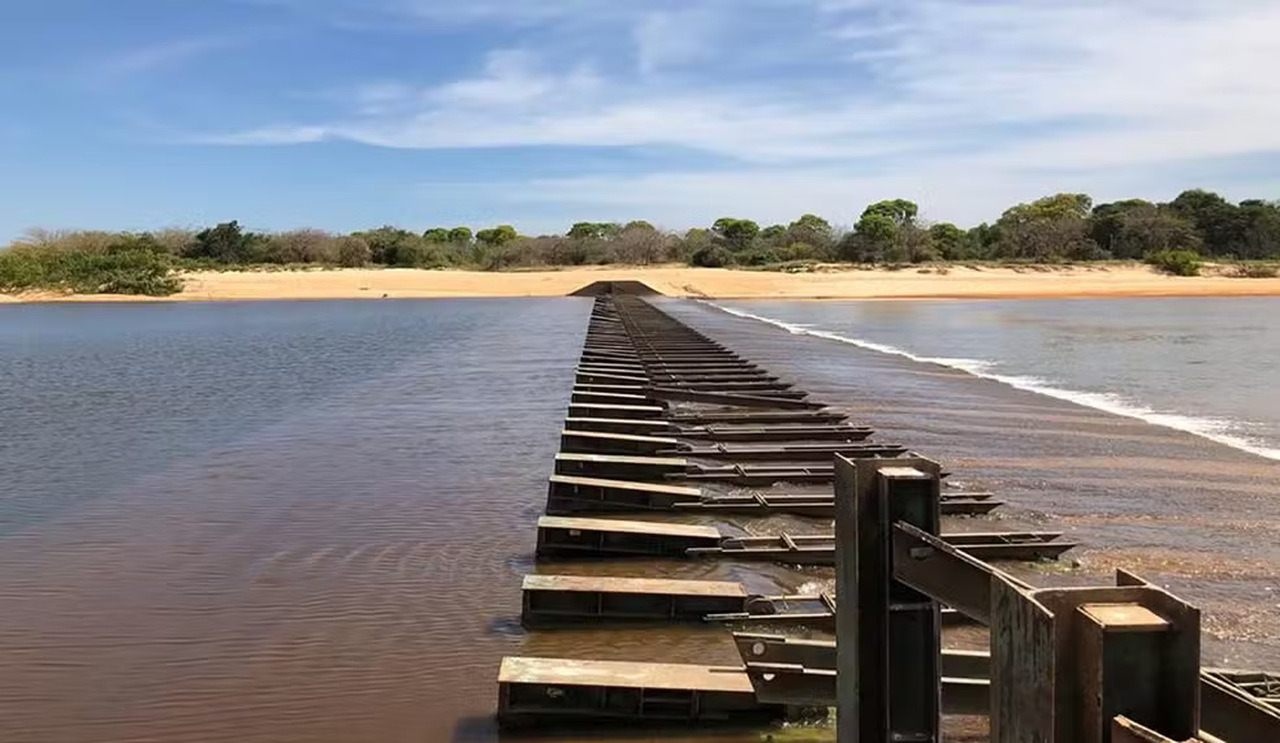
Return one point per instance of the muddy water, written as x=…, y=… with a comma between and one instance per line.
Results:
x=270, y=522
x=1190, y=514
x=287, y=522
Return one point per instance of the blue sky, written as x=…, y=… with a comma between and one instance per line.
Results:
x=346, y=114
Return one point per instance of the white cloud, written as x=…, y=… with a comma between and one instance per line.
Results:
x=1017, y=95
x=511, y=79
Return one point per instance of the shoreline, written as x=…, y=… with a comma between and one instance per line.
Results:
x=834, y=284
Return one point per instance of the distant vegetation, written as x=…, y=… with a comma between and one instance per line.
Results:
x=1176, y=262
x=1174, y=237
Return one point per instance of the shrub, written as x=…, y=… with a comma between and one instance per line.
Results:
x=758, y=256
x=711, y=256
x=1175, y=262
x=414, y=253
x=120, y=272
x=1252, y=271
x=298, y=246
x=803, y=252
x=353, y=252
x=226, y=243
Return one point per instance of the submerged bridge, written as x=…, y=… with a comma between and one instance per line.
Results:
x=664, y=420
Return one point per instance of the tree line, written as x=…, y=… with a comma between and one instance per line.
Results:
x=1062, y=227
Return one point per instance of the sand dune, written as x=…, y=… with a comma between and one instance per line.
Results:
x=956, y=282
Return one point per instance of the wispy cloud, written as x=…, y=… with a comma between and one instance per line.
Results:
x=969, y=89
x=161, y=55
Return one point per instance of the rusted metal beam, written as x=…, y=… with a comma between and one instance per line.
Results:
x=803, y=452
x=941, y=570
x=1231, y=712
x=839, y=432
x=734, y=399
x=888, y=634
x=794, y=671
x=755, y=417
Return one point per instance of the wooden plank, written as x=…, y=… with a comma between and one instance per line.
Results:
x=569, y=494
x=629, y=527
x=619, y=674
x=639, y=487
x=614, y=443
x=613, y=466
x=653, y=586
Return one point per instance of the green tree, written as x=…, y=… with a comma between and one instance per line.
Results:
x=1219, y=222
x=1053, y=228
x=983, y=240
x=887, y=233
x=461, y=236
x=1107, y=221
x=774, y=236
x=225, y=243
x=1262, y=229
x=594, y=230
x=392, y=246
x=497, y=236
x=737, y=234
x=437, y=235
x=900, y=211
x=639, y=224
x=811, y=230
x=1146, y=229
x=951, y=242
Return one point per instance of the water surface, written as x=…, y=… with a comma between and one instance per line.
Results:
x=1205, y=365
x=270, y=521
x=288, y=522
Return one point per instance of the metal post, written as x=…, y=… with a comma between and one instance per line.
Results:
x=888, y=645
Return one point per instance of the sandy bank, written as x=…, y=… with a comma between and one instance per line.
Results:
x=957, y=282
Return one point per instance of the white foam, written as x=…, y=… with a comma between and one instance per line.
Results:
x=1209, y=428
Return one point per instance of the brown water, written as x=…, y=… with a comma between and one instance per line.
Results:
x=288, y=522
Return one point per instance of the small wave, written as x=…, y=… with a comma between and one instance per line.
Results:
x=1208, y=428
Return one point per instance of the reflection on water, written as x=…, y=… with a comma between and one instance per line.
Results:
x=270, y=522
x=289, y=522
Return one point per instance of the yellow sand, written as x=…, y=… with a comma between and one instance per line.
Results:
x=956, y=282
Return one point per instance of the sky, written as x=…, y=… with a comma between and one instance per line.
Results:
x=351, y=114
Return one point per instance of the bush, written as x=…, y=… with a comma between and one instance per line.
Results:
x=757, y=257
x=353, y=252
x=803, y=252
x=121, y=272
x=1252, y=271
x=298, y=246
x=1175, y=262
x=711, y=256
